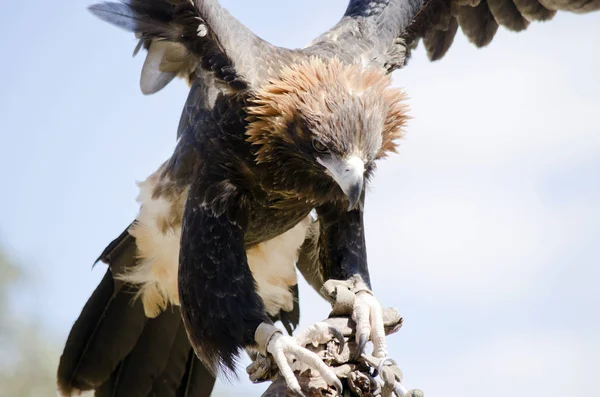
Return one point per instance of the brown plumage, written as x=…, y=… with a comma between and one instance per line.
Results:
x=329, y=98
x=267, y=135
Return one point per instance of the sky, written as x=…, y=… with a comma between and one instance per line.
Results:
x=484, y=231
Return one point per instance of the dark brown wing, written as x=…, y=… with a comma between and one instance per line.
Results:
x=115, y=350
x=200, y=35
x=383, y=32
x=479, y=20
x=367, y=31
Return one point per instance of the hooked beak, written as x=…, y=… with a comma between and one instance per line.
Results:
x=349, y=175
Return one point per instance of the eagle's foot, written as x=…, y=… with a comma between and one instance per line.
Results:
x=284, y=349
x=353, y=297
x=368, y=316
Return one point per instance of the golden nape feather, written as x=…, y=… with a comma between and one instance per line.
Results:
x=318, y=89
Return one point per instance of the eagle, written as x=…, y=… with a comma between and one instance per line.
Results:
x=275, y=149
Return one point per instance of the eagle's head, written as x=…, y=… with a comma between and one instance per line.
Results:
x=320, y=126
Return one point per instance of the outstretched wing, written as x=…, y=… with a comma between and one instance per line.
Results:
x=185, y=36
x=367, y=31
x=479, y=20
x=383, y=32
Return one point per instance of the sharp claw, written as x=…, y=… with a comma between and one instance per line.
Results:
x=339, y=387
x=362, y=342
x=297, y=392
x=337, y=334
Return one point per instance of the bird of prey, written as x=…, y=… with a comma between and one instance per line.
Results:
x=267, y=136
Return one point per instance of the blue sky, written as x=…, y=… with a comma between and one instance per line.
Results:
x=483, y=231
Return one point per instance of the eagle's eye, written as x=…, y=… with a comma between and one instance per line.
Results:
x=319, y=146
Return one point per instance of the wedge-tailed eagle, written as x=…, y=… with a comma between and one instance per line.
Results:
x=267, y=135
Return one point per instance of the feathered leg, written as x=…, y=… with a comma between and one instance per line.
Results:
x=221, y=308
x=342, y=255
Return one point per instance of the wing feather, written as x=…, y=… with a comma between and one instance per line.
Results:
x=505, y=12
x=384, y=32
x=157, y=71
x=479, y=20
x=533, y=10
x=366, y=31
x=199, y=34
x=437, y=41
x=477, y=23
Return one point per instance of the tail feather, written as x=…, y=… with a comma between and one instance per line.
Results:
x=117, y=332
x=149, y=357
x=115, y=350
x=194, y=381
x=174, y=372
x=81, y=334
x=107, y=388
x=103, y=335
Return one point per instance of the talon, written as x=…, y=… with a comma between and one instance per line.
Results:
x=362, y=343
x=339, y=387
x=337, y=334
x=297, y=392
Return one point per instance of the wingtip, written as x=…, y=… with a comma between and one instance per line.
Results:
x=96, y=8
x=99, y=259
x=118, y=14
x=435, y=56
x=63, y=390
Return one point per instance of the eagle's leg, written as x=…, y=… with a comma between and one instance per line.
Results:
x=353, y=298
x=220, y=306
x=343, y=257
